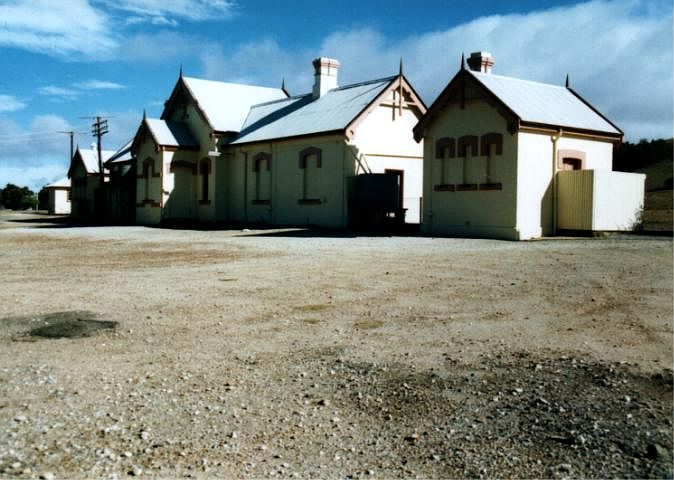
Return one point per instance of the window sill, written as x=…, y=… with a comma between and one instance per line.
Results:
x=309, y=201
x=491, y=186
x=466, y=187
x=261, y=202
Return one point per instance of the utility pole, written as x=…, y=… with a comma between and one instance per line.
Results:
x=72, y=145
x=98, y=129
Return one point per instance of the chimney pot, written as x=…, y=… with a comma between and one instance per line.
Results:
x=481, y=62
x=325, y=75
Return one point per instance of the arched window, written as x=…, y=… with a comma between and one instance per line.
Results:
x=205, y=173
x=148, y=173
x=445, y=147
x=489, y=139
x=465, y=142
x=262, y=171
x=308, y=158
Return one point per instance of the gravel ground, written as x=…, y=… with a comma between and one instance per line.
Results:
x=262, y=353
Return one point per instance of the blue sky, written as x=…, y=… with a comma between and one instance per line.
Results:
x=62, y=60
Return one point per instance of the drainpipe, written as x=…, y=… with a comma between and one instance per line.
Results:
x=555, y=139
x=245, y=187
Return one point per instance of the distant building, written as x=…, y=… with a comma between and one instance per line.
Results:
x=58, y=197
x=515, y=159
x=85, y=178
x=231, y=152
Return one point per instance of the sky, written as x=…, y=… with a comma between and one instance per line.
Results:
x=62, y=62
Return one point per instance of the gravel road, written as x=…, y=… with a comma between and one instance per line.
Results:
x=294, y=353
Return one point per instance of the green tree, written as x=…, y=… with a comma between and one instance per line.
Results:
x=17, y=198
x=43, y=199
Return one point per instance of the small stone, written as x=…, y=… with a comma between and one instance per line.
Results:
x=136, y=471
x=656, y=451
x=20, y=418
x=47, y=476
x=324, y=402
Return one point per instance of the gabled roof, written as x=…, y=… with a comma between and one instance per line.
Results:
x=62, y=183
x=306, y=115
x=123, y=155
x=531, y=103
x=89, y=159
x=170, y=134
x=223, y=105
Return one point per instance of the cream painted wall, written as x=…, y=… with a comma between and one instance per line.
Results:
x=386, y=141
x=202, y=133
x=148, y=214
x=326, y=184
x=471, y=213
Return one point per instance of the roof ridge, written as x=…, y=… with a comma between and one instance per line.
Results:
x=517, y=79
x=230, y=83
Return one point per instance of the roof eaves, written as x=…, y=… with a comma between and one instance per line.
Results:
x=291, y=137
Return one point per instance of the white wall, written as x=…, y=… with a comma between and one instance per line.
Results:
x=534, y=184
x=618, y=200
x=58, y=201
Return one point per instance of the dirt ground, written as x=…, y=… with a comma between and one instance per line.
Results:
x=261, y=353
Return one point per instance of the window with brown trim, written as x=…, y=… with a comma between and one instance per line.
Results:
x=205, y=173
x=465, y=142
x=262, y=171
x=445, y=147
x=568, y=159
x=489, y=139
x=148, y=170
x=307, y=157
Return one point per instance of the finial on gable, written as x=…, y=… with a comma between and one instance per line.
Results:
x=400, y=70
x=283, y=86
x=181, y=70
x=566, y=83
x=144, y=115
x=463, y=61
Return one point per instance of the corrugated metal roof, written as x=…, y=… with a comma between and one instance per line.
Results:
x=62, y=183
x=122, y=155
x=543, y=103
x=226, y=105
x=304, y=115
x=90, y=159
x=171, y=134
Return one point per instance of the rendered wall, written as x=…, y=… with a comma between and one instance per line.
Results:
x=536, y=152
x=386, y=141
x=149, y=199
x=618, y=200
x=58, y=201
x=325, y=205
x=488, y=213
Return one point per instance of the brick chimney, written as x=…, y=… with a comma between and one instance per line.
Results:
x=481, y=62
x=325, y=75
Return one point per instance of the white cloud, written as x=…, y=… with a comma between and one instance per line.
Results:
x=59, y=94
x=9, y=103
x=161, y=12
x=618, y=55
x=98, y=85
x=70, y=30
